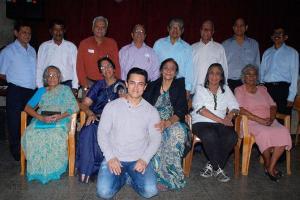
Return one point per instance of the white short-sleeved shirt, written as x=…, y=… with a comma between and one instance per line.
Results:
x=203, y=97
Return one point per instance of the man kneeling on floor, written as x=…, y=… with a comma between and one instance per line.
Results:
x=128, y=138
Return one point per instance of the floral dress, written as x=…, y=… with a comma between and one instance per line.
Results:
x=167, y=161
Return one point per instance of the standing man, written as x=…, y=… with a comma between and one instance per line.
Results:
x=138, y=54
x=279, y=71
x=58, y=52
x=128, y=138
x=174, y=47
x=206, y=52
x=92, y=49
x=240, y=51
x=18, y=67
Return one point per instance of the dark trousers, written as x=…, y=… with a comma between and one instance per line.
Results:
x=234, y=83
x=218, y=141
x=16, y=99
x=279, y=91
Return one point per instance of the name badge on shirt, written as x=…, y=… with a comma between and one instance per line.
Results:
x=91, y=50
x=148, y=57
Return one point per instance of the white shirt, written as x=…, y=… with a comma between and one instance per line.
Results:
x=203, y=56
x=204, y=97
x=62, y=56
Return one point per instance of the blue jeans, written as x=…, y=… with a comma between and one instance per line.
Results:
x=108, y=184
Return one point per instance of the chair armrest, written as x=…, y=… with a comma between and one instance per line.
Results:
x=23, y=122
x=286, y=119
x=241, y=126
x=73, y=124
x=82, y=118
x=188, y=120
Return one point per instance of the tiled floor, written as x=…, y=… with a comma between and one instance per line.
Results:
x=256, y=186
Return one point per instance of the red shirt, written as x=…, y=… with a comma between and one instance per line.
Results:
x=89, y=52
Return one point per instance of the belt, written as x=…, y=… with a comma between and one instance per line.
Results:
x=277, y=83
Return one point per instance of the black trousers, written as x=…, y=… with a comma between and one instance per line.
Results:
x=16, y=99
x=234, y=83
x=279, y=91
x=218, y=141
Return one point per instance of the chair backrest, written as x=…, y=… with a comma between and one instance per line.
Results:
x=297, y=103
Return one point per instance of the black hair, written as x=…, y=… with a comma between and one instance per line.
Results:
x=222, y=81
x=20, y=24
x=107, y=59
x=56, y=22
x=136, y=70
x=242, y=18
x=278, y=26
x=168, y=60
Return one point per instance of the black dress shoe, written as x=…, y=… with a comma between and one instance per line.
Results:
x=273, y=178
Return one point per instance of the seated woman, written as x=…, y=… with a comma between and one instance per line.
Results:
x=256, y=103
x=168, y=95
x=211, y=123
x=45, y=139
x=89, y=155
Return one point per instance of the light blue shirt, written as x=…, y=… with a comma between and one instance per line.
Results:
x=238, y=56
x=18, y=64
x=181, y=52
x=281, y=64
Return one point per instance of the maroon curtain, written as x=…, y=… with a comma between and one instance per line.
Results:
x=155, y=14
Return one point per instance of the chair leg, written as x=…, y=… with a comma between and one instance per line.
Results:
x=297, y=132
x=187, y=162
x=288, y=162
x=237, y=158
x=71, y=154
x=247, y=147
x=23, y=163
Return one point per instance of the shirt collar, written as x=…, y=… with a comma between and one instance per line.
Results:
x=20, y=46
x=132, y=44
x=52, y=41
x=178, y=41
x=211, y=41
x=282, y=47
x=142, y=102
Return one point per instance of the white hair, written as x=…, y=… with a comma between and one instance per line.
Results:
x=101, y=18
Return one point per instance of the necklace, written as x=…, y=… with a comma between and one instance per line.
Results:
x=162, y=89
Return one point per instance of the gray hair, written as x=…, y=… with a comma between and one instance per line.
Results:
x=246, y=69
x=46, y=74
x=101, y=18
x=176, y=20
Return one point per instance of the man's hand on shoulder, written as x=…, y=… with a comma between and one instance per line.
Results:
x=115, y=166
x=140, y=166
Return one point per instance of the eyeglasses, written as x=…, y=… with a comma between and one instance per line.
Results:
x=103, y=68
x=139, y=31
x=53, y=76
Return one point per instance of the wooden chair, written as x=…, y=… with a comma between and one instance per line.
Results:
x=187, y=161
x=297, y=108
x=249, y=140
x=71, y=143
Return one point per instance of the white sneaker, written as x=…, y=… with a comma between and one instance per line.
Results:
x=207, y=171
x=221, y=176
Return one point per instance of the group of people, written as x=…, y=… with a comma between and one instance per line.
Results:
x=137, y=99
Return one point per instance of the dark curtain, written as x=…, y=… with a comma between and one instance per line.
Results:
x=261, y=15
